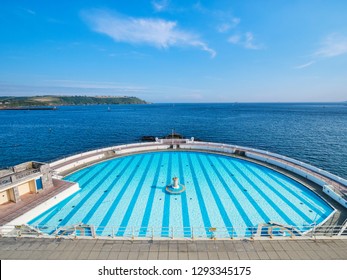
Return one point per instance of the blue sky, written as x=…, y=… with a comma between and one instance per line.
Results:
x=176, y=51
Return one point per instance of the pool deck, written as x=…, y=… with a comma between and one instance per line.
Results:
x=69, y=249
x=11, y=210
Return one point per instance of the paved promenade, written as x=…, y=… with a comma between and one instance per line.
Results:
x=63, y=249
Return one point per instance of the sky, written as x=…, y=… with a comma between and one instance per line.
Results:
x=176, y=50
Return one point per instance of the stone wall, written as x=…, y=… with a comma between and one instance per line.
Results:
x=46, y=177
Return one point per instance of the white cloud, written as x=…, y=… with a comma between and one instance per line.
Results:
x=29, y=11
x=333, y=45
x=249, y=42
x=246, y=40
x=305, y=65
x=226, y=26
x=235, y=39
x=150, y=31
x=160, y=5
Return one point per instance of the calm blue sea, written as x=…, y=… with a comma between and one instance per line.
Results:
x=311, y=132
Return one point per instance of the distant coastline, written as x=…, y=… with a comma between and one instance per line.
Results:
x=49, y=102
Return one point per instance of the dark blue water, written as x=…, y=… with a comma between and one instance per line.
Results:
x=313, y=133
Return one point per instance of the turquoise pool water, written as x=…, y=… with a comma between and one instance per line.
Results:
x=127, y=194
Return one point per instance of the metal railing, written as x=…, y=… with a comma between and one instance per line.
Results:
x=262, y=231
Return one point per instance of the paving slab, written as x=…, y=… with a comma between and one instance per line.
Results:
x=153, y=255
x=64, y=255
x=263, y=255
x=302, y=255
x=213, y=255
x=36, y=248
x=193, y=255
x=243, y=255
x=233, y=255
x=163, y=247
x=283, y=255
x=73, y=255
x=201, y=246
x=104, y=255
x=192, y=247
x=273, y=255
x=163, y=255
x=183, y=256
x=248, y=246
x=223, y=255
x=239, y=247
x=203, y=256
x=142, y=255
x=123, y=255
x=253, y=255
x=133, y=256
x=258, y=246
x=55, y=255
x=83, y=255
x=173, y=246
x=154, y=247
x=113, y=255
x=6, y=254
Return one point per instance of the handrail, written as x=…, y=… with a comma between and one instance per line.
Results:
x=271, y=230
x=343, y=228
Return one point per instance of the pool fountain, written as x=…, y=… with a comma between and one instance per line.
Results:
x=175, y=187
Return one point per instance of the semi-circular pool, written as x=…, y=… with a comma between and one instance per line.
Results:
x=223, y=195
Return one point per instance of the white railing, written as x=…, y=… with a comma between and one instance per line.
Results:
x=275, y=231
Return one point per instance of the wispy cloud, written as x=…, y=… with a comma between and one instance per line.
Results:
x=155, y=32
x=29, y=11
x=160, y=5
x=305, y=65
x=333, y=45
x=235, y=39
x=228, y=25
x=245, y=40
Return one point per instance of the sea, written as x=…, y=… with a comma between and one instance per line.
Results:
x=315, y=133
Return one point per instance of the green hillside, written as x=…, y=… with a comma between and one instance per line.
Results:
x=52, y=100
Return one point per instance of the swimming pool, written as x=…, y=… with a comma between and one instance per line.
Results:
x=127, y=194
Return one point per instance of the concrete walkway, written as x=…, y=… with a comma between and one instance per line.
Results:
x=11, y=210
x=63, y=249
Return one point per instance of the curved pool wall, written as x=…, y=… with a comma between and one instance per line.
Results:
x=334, y=186
x=222, y=192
